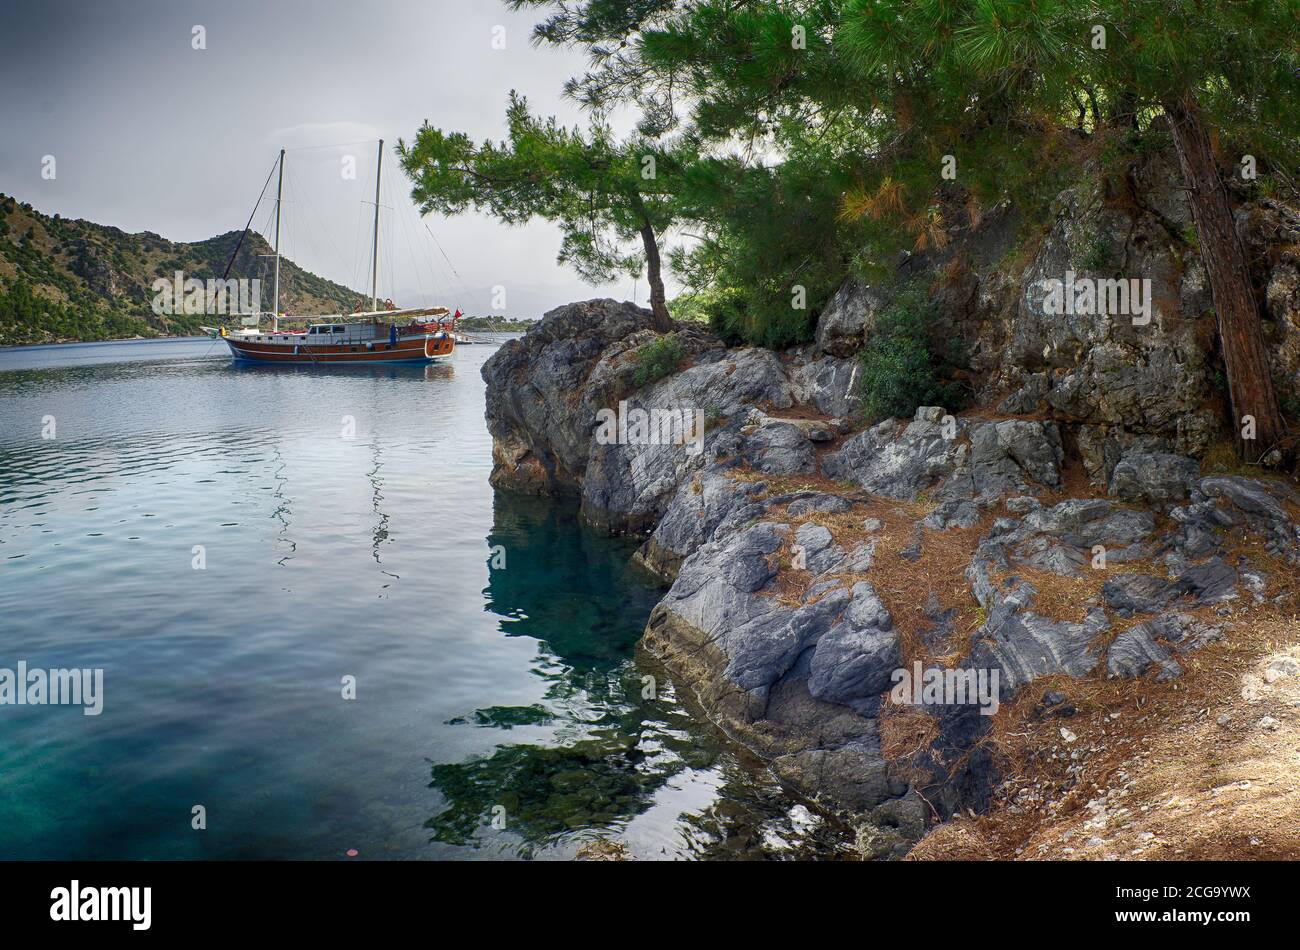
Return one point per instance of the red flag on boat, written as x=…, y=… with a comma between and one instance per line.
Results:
x=456, y=315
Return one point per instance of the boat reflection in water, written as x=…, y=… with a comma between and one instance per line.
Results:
x=426, y=371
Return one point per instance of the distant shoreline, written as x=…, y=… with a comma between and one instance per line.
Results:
x=467, y=324
x=120, y=339
x=180, y=338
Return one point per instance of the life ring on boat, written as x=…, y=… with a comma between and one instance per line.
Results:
x=389, y=305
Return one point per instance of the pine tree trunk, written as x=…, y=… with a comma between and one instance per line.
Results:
x=1250, y=384
x=663, y=322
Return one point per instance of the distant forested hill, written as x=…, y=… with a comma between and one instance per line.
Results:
x=496, y=324
x=63, y=279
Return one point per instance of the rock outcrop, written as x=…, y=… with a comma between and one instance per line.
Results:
x=847, y=319
x=960, y=458
x=1127, y=382
x=541, y=424
x=1064, y=531
x=546, y=392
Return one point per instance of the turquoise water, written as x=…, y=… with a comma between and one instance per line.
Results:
x=347, y=531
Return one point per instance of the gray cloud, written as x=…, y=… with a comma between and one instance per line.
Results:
x=150, y=134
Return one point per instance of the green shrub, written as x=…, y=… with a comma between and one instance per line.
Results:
x=899, y=370
x=690, y=307
x=762, y=318
x=727, y=313
x=657, y=359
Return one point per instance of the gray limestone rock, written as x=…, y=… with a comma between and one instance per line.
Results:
x=1154, y=478
x=1155, y=642
x=851, y=314
x=779, y=449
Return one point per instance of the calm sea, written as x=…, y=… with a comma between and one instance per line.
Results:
x=321, y=630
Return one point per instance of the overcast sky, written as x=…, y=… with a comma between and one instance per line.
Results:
x=150, y=134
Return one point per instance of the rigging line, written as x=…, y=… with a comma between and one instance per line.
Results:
x=356, y=249
x=459, y=279
x=356, y=245
x=309, y=245
x=397, y=208
x=412, y=234
x=370, y=264
x=392, y=272
x=455, y=289
x=387, y=224
x=442, y=278
x=438, y=284
x=464, y=296
x=244, y=234
x=259, y=262
x=383, y=227
x=410, y=246
x=329, y=238
x=415, y=264
x=396, y=224
x=291, y=238
x=448, y=290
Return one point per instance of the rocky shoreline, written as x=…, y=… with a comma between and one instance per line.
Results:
x=1071, y=527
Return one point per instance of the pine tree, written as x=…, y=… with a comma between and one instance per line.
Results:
x=992, y=81
x=603, y=193
x=1221, y=70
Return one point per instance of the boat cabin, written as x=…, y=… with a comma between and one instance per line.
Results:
x=327, y=333
x=320, y=334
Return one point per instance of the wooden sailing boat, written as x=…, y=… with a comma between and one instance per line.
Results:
x=387, y=335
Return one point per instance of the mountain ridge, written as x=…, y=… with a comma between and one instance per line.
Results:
x=65, y=279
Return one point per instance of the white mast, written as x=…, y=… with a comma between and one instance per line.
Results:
x=275, y=294
x=374, y=266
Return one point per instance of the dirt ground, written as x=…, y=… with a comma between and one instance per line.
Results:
x=1205, y=767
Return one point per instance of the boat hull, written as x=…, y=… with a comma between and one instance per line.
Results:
x=423, y=349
